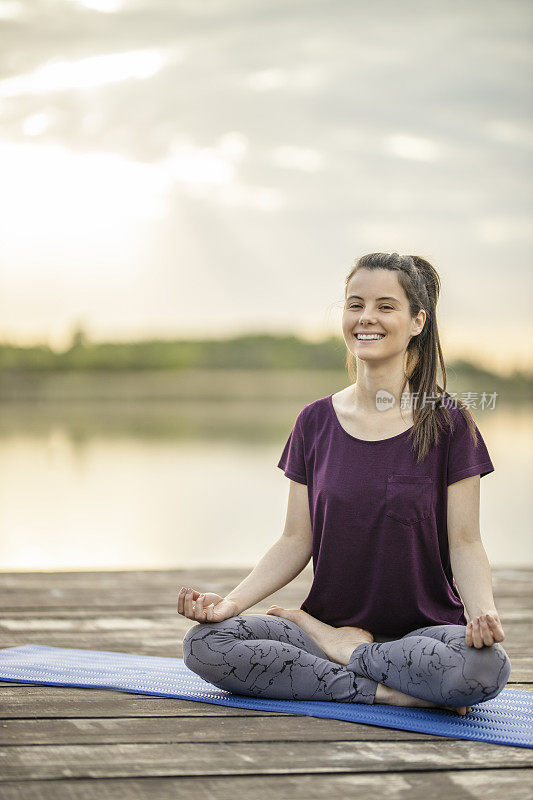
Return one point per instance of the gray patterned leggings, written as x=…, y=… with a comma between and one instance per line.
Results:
x=261, y=655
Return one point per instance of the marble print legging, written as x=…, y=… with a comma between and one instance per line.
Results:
x=261, y=655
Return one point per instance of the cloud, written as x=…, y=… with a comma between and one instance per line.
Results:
x=302, y=79
x=85, y=73
x=104, y=6
x=11, y=9
x=53, y=199
x=415, y=148
x=189, y=164
x=511, y=132
x=306, y=159
x=36, y=124
x=502, y=229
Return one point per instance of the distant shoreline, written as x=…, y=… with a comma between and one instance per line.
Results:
x=223, y=385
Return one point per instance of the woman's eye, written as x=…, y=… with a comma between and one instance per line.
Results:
x=389, y=308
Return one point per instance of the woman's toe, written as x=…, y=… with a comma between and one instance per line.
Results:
x=277, y=610
x=287, y=613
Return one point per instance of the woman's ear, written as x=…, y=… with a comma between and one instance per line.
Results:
x=419, y=322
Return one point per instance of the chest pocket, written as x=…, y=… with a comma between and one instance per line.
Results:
x=409, y=498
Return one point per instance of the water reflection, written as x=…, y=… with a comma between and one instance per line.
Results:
x=192, y=483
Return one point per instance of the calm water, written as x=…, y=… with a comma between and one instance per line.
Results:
x=190, y=484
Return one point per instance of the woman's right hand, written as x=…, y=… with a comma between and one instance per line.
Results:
x=207, y=606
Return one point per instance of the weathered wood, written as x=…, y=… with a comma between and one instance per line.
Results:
x=198, y=729
x=156, y=587
x=74, y=742
x=507, y=607
x=489, y=784
x=486, y=785
x=18, y=701
x=45, y=762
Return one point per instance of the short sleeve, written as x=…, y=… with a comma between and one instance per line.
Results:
x=464, y=457
x=292, y=460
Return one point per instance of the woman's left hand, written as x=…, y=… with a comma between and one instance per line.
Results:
x=484, y=630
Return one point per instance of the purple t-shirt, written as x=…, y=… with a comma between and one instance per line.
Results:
x=380, y=545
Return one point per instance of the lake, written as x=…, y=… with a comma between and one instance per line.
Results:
x=191, y=483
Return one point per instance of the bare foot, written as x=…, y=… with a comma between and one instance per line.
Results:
x=393, y=697
x=337, y=643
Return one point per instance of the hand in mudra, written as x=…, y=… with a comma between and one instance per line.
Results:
x=207, y=606
x=484, y=629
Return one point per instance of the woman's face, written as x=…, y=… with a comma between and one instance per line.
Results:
x=377, y=304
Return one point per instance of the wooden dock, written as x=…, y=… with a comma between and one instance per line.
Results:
x=59, y=742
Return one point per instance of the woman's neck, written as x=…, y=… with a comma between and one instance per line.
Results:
x=378, y=390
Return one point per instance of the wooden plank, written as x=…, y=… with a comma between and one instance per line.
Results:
x=142, y=643
x=65, y=702
x=46, y=762
x=489, y=784
x=154, y=587
x=113, y=730
x=478, y=785
x=507, y=608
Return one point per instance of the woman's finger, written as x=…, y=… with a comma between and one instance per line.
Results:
x=199, y=613
x=486, y=633
x=472, y=632
x=188, y=604
x=476, y=633
x=180, y=600
x=496, y=628
x=468, y=634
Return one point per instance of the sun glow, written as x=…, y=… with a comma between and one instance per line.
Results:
x=86, y=73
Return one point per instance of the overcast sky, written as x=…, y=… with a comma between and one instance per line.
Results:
x=210, y=167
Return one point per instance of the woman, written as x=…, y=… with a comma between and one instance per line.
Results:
x=384, y=495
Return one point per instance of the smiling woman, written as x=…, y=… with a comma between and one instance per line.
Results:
x=369, y=502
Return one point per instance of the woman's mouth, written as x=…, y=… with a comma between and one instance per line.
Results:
x=369, y=337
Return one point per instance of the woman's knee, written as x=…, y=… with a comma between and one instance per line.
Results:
x=498, y=666
x=490, y=667
x=194, y=639
x=205, y=642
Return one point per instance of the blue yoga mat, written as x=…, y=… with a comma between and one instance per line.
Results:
x=507, y=719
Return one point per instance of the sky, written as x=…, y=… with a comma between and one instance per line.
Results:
x=208, y=168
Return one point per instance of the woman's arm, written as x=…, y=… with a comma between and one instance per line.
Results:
x=470, y=565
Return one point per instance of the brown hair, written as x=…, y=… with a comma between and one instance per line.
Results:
x=421, y=284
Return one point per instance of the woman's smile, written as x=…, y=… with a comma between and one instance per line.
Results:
x=369, y=337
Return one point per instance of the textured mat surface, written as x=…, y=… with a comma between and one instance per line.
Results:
x=507, y=719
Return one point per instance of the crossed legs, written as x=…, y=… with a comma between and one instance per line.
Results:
x=262, y=655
